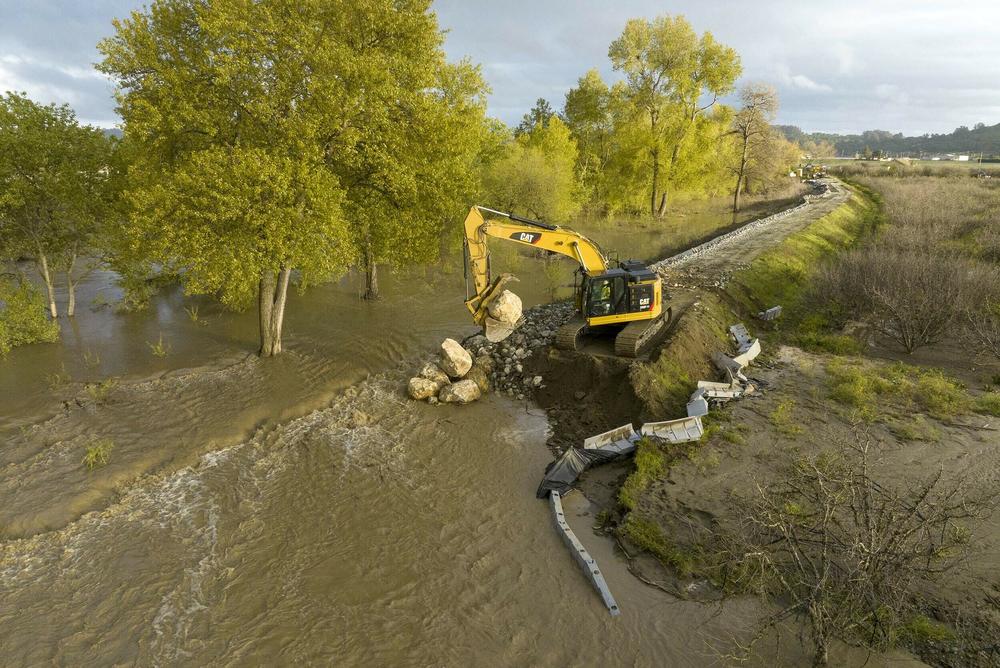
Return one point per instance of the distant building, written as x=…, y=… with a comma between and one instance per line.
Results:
x=962, y=158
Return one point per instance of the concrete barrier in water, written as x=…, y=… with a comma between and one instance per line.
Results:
x=587, y=562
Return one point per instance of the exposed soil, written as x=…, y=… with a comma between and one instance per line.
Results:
x=586, y=394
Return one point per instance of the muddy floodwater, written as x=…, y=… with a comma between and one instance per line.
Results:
x=269, y=512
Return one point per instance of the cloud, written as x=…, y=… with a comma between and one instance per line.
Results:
x=892, y=93
x=846, y=66
x=786, y=77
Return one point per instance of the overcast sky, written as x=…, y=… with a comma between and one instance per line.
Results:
x=844, y=66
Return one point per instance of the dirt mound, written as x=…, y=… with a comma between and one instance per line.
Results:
x=583, y=395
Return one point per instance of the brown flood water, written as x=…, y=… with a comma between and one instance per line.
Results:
x=301, y=510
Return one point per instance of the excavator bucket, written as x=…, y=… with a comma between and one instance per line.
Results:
x=495, y=330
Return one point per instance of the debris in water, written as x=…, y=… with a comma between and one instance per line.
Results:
x=587, y=562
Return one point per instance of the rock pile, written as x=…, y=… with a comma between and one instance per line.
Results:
x=464, y=372
x=509, y=374
x=455, y=378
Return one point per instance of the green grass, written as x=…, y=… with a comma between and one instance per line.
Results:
x=159, y=349
x=782, y=274
x=921, y=629
x=98, y=453
x=663, y=384
x=988, y=403
x=649, y=466
x=864, y=385
x=783, y=418
x=649, y=537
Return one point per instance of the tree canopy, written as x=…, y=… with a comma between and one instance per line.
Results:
x=287, y=135
x=55, y=187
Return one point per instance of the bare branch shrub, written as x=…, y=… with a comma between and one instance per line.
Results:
x=846, y=552
x=913, y=296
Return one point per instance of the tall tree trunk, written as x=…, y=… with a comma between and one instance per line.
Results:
x=43, y=269
x=71, y=288
x=272, y=295
x=740, y=176
x=655, y=185
x=371, y=273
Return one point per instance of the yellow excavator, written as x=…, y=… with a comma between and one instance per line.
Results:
x=627, y=297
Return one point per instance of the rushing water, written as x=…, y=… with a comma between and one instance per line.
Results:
x=266, y=512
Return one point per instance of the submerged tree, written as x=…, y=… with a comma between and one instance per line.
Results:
x=669, y=73
x=55, y=190
x=278, y=137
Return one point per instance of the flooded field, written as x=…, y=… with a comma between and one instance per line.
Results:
x=300, y=509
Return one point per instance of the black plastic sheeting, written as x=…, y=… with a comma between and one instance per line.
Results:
x=563, y=472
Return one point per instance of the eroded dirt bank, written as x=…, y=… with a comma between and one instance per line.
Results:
x=669, y=522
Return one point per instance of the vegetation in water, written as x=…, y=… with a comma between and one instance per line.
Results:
x=22, y=316
x=98, y=453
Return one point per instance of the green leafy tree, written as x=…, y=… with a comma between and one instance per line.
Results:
x=540, y=114
x=55, y=192
x=22, y=315
x=669, y=72
x=536, y=175
x=589, y=115
x=415, y=170
x=280, y=136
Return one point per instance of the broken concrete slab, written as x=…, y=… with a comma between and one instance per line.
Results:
x=697, y=407
x=741, y=336
x=770, y=314
x=748, y=355
x=725, y=363
x=587, y=562
x=623, y=433
x=680, y=430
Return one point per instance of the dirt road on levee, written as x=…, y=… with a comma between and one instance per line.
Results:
x=710, y=263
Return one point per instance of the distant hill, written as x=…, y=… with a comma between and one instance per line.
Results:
x=112, y=132
x=985, y=138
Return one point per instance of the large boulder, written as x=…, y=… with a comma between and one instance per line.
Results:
x=422, y=388
x=506, y=308
x=455, y=360
x=432, y=371
x=478, y=375
x=462, y=392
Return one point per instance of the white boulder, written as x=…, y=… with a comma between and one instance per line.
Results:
x=462, y=392
x=506, y=308
x=432, y=371
x=422, y=388
x=455, y=360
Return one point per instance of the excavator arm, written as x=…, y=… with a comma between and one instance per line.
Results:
x=482, y=223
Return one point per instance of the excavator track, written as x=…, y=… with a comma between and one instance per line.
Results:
x=636, y=336
x=568, y=335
